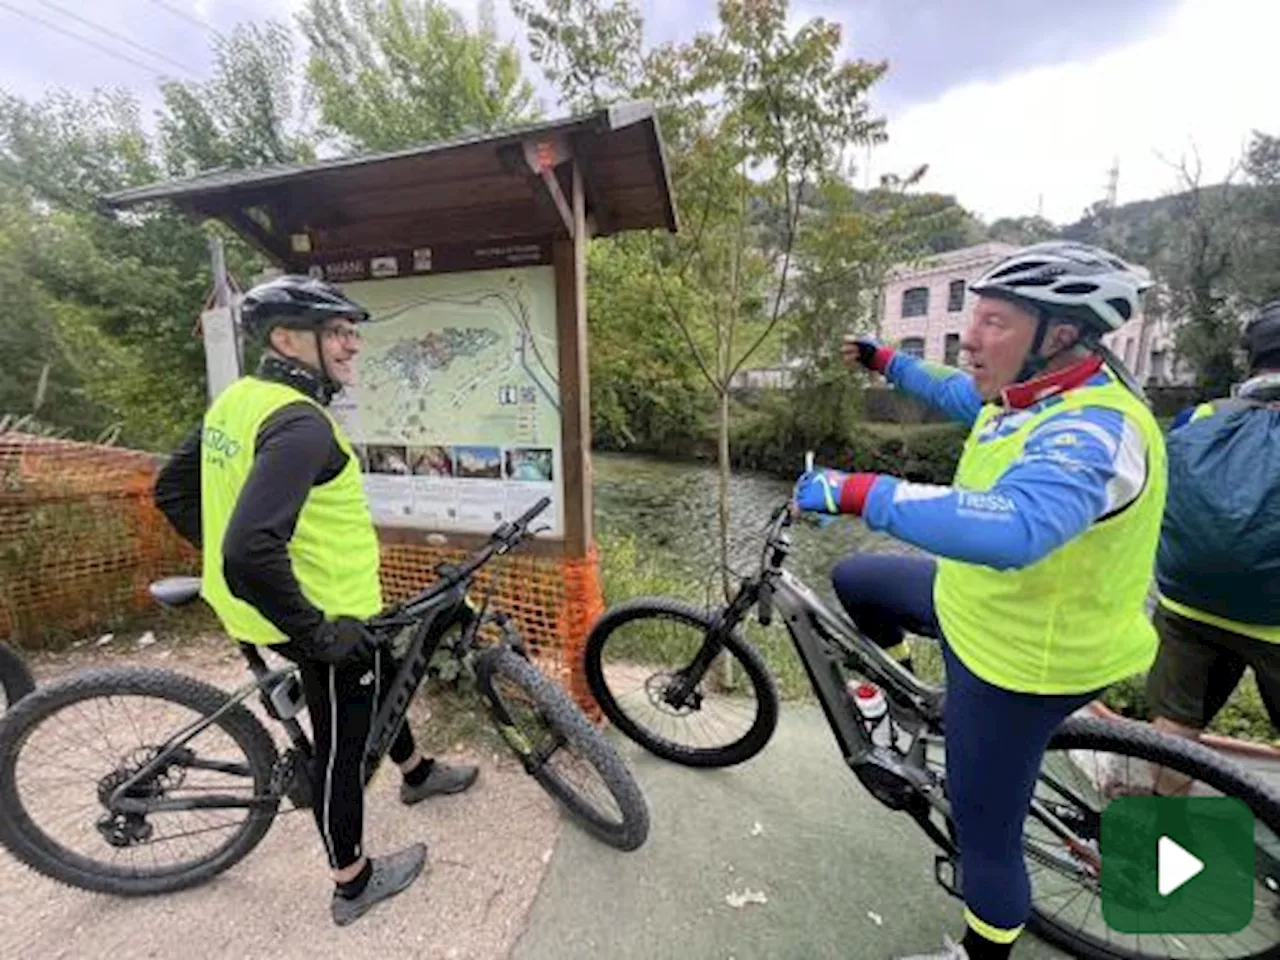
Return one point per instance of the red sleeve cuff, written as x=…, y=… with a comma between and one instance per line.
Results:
x=855, y=490
x=880, y=362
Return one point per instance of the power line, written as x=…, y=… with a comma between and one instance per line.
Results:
x=189, y=17
x=118, y=36
x=109, y=51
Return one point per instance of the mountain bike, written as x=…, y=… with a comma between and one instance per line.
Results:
x=15, y=679
x=95, y=795
x=654, y=664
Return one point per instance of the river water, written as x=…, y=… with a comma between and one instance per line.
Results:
x=669, y=509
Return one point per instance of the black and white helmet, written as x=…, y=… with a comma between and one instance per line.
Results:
x=1068, y=281
x=298, y=302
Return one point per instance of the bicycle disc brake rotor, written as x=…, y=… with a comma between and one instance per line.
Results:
x=659, y=689
x=121, y=829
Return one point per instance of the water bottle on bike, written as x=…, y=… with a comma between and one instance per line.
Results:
x=869, y=701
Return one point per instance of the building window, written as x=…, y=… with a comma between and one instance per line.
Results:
x=951, y=350
x=1156, y=370
x=913, y=346
x=955, y=296
x=915, y=302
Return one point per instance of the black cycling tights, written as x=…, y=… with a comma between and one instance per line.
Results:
x=340, y=701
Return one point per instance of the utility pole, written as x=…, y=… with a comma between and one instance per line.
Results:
x=223, y=348
x=1113, y=181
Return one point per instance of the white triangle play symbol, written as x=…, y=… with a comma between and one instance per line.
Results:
x=1176, y=866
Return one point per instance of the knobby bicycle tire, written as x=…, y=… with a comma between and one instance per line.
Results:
x=30, y=845
x=16, y=680
x=565, y=718
x=665, y=608
x=1132, y=739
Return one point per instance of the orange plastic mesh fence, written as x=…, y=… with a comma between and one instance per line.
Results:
x=80, y=540
x=79, y=537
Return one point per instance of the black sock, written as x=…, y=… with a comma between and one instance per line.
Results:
x=980, y=948
x=355, y=886
x=418, y=774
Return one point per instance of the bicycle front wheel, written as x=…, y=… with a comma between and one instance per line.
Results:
x=15, y=679
x=1088, y=764
x=639, y=659
x=560, y=749
x=68, y=747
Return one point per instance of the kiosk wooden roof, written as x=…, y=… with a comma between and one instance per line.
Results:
x=492, y=187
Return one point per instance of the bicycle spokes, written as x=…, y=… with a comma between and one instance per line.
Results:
x=650, y=665
x=78, y=777
x=1064, y=851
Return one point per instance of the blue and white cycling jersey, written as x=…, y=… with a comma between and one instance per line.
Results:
x=1076, y=467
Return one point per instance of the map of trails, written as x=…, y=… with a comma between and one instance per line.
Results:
x=462, y=358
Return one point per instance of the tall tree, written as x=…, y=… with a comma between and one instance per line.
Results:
x=1195, y=268
x=1259, y=262
x=248, y=114
x=591, y=51
x=755, y=113
x=389, y=73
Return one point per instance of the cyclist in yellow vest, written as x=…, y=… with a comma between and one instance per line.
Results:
x=1044, y=546
x=269, y=488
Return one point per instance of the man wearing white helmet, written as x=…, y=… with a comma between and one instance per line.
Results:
x=1043, y=545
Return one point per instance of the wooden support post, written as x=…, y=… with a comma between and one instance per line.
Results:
x=569, y=257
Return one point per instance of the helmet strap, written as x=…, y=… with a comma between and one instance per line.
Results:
x=1035, y=364
x=327, y=383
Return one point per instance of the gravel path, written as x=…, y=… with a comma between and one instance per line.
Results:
x=488, y=852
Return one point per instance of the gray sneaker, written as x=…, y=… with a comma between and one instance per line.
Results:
x=950, y=951
x=442, y=779
x=391, y=875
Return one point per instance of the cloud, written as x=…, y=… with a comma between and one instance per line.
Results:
x=1204, y=81
x=934, y=45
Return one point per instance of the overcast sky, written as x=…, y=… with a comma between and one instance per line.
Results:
x=1016, y=105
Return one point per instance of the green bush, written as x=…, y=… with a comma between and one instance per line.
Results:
x=774, y=434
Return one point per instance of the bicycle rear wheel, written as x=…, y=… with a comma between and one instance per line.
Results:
x=560, y=749
x=66, y=748
x=1090, y=762
x=638, y=656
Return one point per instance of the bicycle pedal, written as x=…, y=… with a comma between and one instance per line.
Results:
x=947, y=872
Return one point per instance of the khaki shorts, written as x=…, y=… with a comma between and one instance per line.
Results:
x=1199, y=665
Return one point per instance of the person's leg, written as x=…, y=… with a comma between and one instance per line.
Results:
x=1192, y=677
x=341, y=700
x=341, y=710
x=887, y=595
x=423, y=776
x=1264, y=657
x=995, y=742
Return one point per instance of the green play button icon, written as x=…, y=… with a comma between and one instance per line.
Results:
x=1177, y=865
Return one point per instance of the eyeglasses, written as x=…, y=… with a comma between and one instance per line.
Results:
x=345, y=334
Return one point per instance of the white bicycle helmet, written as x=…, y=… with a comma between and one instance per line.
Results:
x=1070, y=282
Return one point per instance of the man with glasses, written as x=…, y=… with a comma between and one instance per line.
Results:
x=269, y=489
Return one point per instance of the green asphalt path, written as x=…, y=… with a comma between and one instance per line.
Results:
x=843, y=876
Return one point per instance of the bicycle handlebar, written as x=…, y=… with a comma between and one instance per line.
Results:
x=503, y=539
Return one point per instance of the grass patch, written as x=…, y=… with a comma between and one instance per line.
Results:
x=445, y=719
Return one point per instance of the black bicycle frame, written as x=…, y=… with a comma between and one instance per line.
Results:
x=823, y=640
x=430, y=615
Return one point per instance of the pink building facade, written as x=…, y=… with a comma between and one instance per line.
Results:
x=926, y=308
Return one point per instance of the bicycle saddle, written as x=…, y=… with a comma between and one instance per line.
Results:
x=175, y=591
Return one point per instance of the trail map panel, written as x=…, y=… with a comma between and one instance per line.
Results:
x=456, y=410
